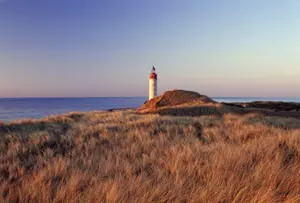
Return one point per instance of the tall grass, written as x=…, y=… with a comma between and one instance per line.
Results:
x=124, y=157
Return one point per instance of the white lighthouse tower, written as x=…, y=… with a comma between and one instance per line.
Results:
x=152, y=84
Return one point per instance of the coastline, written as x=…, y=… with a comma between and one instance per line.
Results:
x=268, y=108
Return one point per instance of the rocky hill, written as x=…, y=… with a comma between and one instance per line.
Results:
x=176, y=97
x=185, y=103
x=188, y=103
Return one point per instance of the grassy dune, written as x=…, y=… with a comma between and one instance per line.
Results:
x=125, y=157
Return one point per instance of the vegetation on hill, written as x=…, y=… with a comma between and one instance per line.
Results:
x=122, y=156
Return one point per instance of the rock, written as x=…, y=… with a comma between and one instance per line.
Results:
x=269, y=105
x=181, y=103
x=176, y=97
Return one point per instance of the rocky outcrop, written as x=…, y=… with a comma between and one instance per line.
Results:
x=176, y=97
x=270, y=105
x=188, y=103
x=183, y=103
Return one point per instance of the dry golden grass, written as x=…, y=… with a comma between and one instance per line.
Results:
x=125, y=157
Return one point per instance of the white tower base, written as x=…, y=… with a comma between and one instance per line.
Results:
x=152, y=88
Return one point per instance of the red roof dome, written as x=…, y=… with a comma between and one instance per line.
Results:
x=153, y=75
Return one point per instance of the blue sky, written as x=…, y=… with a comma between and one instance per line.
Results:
x=78, y=48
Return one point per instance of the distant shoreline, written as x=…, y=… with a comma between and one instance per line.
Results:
x=216, y=98
x=22, y=109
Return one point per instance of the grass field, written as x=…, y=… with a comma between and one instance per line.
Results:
x=126, y=157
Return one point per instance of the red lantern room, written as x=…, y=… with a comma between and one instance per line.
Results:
x=153, y=74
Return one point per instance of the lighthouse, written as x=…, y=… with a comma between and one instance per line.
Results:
x=152, y=84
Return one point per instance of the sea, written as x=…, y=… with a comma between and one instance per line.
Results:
x=30, y=108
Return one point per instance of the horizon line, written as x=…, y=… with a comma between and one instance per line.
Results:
x=83, y=97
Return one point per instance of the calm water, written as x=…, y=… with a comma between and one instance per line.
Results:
x=14, y=109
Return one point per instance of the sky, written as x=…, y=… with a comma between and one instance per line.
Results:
x=99, y=48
